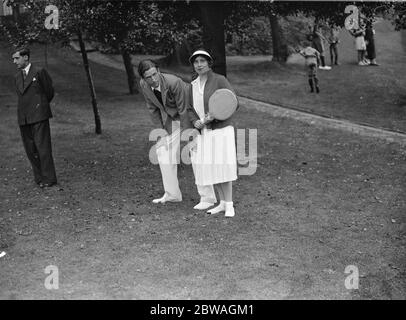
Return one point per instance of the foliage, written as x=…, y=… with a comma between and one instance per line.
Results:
x=157, y=27
x=137, y=26
x=168, y=24
x=295, y=29
x=251, y=37
x=30, y=26
x=399, y=15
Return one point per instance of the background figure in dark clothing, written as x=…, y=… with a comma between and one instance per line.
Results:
x=35, y=92
x=370, y=43
x=333, y=41
x=318, y=43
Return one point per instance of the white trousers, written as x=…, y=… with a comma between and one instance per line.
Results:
x=168, y=153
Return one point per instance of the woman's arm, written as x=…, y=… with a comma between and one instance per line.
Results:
x=222, y=83
x=191, y=113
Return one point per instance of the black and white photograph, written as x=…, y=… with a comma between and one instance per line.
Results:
x=219, y=152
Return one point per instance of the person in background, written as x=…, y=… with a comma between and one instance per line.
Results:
x=360, y=45
x=318, y=44
x=370, y=43
x=333, y=40
x=312, y=57
x=35, y=92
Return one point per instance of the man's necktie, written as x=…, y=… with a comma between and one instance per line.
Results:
x=24, y=77
x=158, y=95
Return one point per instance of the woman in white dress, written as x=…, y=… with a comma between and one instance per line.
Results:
x=360, y=45
x=214, y=156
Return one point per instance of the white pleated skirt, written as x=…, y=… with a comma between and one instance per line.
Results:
x=214, y=158
x=360, y=43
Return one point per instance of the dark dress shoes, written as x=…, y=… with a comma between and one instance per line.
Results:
x=47, y=185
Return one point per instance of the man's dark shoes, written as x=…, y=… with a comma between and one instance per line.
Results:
x=317, y=90
x=47, y=185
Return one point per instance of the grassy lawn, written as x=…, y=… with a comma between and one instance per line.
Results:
x=319, y=201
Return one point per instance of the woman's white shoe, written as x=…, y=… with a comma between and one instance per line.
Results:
x=203, y=205
x=230, y=212
x=221, y=207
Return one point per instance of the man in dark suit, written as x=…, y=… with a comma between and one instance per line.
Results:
x=166, y=97
x=35, y=92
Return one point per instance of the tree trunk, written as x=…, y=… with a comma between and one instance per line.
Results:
x=130, y=72
x=212, y=18
x=91, y=84
x=176, y=56
x=278, y=45
x=46, y=49
x=46, y=54
x=180, y=55
x=16, y=12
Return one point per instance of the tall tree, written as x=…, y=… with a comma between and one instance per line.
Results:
x=110, y=23
x=212, y=18
x=90, y=82
x=76, y=19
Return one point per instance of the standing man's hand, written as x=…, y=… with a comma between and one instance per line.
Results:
x=162, y=142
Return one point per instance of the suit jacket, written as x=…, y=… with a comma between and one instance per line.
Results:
x=214, y=81
x=174, y=98
x=317, y=42
x=34, y=95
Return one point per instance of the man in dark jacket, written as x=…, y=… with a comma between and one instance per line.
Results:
x=35, y=92
x=370, y=43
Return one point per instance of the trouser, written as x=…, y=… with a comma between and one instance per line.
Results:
x=361, y=55
x=206, y=192
x=312, y=75
x=37, y=144
x=323, y=63
x=334, y=53
x=168, y=155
